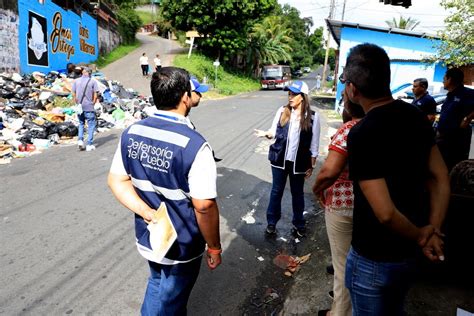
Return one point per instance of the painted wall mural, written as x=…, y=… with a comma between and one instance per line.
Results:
x=9, y=52
x=51, y=37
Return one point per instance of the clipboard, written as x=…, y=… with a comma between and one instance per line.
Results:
x=162, y=233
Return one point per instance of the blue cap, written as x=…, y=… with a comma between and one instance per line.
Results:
x=298, y=87
x=197, y=87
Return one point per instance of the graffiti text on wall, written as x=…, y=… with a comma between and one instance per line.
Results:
x=9, y=53
x=60, y=37
x=83, y=46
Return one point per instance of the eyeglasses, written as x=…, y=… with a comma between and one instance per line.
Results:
x=343, y=80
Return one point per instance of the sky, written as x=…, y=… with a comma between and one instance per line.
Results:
x=372, y=12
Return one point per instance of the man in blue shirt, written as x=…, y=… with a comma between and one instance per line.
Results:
x=162, y=160
x=454, y=126
x=423, y=100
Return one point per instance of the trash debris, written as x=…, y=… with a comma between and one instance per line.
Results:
x=37, y=111
x=291, y=264
x=260, y=258
x=248, y=218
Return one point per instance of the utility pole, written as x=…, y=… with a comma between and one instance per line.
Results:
x=343, y=10
x=331, y=14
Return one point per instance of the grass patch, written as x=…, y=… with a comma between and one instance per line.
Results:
x=228, y=82
x=146, y=16
x=116, y=54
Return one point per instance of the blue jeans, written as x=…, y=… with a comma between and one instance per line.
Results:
x=377, y=288
x=297, y=195
x=91, y=123
x=169, y=287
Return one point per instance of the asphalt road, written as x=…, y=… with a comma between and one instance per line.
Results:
x=68, y=246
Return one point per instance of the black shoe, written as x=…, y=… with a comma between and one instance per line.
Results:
x=331, y=294
x=298, y=232
x=330, y=269
x=271, y=230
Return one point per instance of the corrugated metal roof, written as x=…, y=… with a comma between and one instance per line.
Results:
x=336, y=26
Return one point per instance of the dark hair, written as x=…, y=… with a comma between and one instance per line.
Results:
x=456, y=75
x=422, y=82
x=368, y=68
x=168, y=86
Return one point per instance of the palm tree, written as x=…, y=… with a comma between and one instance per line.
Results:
x=402, y=23
x=269, y=43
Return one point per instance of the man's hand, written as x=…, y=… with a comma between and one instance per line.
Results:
x=433, y=249
x=425, y=234
x=308, y=173
x=148, y=216
x=213, y=260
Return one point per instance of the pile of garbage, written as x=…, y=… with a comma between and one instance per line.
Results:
x=37, y=111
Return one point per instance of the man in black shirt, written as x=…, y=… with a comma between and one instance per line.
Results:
x=423, y=100
x=393, y=162
x=454, y=126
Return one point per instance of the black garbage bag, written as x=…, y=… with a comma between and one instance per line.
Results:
x=34, y=104
x=17, y=105
x=103, y=123
x=67, y=129
x=23, y=93
x=51, y=128
x=6, y=94
x=38, y=132
x=26, y=138
x=11, y=113
x=108, y=107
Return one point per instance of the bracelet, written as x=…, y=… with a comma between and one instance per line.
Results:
x=214, y=251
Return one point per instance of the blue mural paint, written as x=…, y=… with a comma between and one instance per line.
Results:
x=51, y=37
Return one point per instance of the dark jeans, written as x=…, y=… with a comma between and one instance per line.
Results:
x=377, y=288
x=297, y=195
x=145, y=70
x=169, y=287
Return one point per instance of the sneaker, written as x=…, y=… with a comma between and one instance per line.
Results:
x=271, y=229
x=298, y=232
x=90, y=147
x=80, y=145
x=331, y=295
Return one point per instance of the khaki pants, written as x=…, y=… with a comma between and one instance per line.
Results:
x=339, y=229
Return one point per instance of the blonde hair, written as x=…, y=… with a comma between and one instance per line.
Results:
x=305, y=117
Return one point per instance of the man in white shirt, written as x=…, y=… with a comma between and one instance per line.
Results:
x=157, y=62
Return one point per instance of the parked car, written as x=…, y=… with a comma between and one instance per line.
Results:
x=306, y=69
x=297, y=73
x=330, y=78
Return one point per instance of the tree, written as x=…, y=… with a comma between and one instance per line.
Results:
x=269, y=43
x=129, y=21
x=457, y=40
x=402, y=23
x=224, y=24
x=301, y=54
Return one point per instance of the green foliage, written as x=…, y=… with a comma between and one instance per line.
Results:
x=228, y=82
x=225, y=23
x=116, y=54
x=145, y=16
x=306, y=47
x=269, y=43
x=402, y=23
x=457, y=45
x=129, y=21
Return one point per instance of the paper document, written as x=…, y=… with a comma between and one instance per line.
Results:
x=162, y=233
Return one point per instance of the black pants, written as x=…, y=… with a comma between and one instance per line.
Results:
x=145, y=70
x=454, y=147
